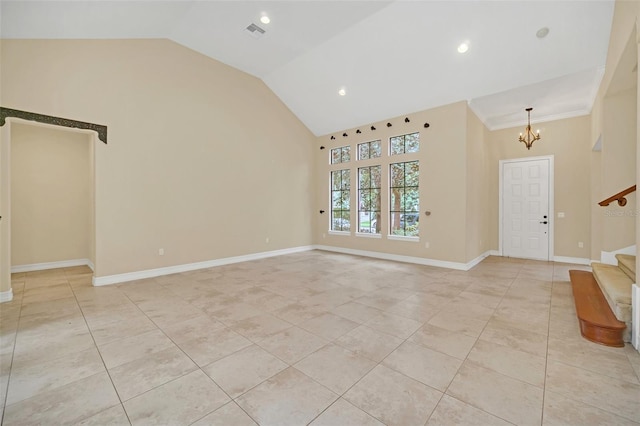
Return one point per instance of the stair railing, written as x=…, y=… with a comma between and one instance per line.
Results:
x=619, y=197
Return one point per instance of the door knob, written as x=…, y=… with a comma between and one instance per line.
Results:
x=545, y=222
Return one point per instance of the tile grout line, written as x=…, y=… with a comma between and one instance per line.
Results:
x=546, y=358
x=13, y=351
x=570, y=397
x=231, y=400
x=99, y=353
x=467, y=358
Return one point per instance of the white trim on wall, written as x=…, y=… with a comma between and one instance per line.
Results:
x=151, y=273
x=6, y=296
x=408, y=259
x=52, y=265
x=635, y=319
x=574, y=260
x=609, y=257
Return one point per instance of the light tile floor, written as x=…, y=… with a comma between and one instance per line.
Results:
x=312, y=338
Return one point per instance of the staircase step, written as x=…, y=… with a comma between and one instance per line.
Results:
x=616, y=287
x=627, y=263
x=597, y=322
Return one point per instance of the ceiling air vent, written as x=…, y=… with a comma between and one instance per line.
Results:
x=255, y=31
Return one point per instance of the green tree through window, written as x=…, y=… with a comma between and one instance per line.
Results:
x=340, y=200
x=369, y=199
x=405, y=144
x=405, y=198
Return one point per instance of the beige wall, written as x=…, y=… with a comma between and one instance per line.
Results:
x=50, y=195
x=613, y=231
x=442, y=184
x=568, y=141
x=5, y=210
x=479, y=220
x=597, y=215
x=618, y=169
x=203, y=160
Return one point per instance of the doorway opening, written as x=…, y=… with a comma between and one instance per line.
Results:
x=48, y=198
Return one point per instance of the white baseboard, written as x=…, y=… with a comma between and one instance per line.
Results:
x=151, y=273
x=635, y=316
x=407, y=259
x=576, y=260
x=6, y=296
x=609, y=257
x=51, y=265
x=495, y=253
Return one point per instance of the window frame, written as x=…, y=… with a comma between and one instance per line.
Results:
x=343, y=188
x=403, y=211
x=404, y=144
x=379, y=141
x=378, y=213
x=342, y=149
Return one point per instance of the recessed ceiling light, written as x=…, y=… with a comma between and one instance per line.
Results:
x=265, y=19
x=342, y=92
x=542, y=32
x=463, y=47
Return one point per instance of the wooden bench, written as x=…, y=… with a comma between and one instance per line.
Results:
x=597, y=323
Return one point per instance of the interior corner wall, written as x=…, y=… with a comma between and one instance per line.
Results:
x=565, y=140
x=50, y=195
x=478, y=225
x=202, y=160
x=623, y=30
x=5, y=209
x=618, y=169
x=443, y=182
x=597, y=218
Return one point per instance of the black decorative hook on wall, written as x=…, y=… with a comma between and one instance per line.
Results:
x=321, y=148
x=321, y=211
x=344, y=135
x=426, y=125
x=389, y=124
x=333, y=138
x=358, y=131
x=406, y=119
x=373, y=128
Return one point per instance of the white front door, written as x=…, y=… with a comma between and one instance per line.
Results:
x=525, y=208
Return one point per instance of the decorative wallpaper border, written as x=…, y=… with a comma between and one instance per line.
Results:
x=56, y=121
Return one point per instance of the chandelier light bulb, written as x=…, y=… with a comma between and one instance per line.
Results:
x=529, y=137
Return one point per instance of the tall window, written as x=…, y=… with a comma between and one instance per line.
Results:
x=405, y=144
x=369, y=150
x=341, y=155
x=405, y=198
x=369, y=199
x=340, y=200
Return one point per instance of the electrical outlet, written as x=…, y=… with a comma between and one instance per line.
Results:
x=426, y=244
x=161, y=252
x=561, y=214
x=266, y=240
x=580, y=244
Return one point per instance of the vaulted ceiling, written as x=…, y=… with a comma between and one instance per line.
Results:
x=390, y=57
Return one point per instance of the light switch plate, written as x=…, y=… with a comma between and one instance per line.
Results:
x=560, y=214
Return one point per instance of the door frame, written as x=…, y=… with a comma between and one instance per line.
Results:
x=551, y=198
x=5, y=193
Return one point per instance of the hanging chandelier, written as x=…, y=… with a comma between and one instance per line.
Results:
x=528, y=138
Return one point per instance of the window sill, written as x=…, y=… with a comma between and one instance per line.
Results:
x=368, y=235
x=403, y=238
x=343, y=233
